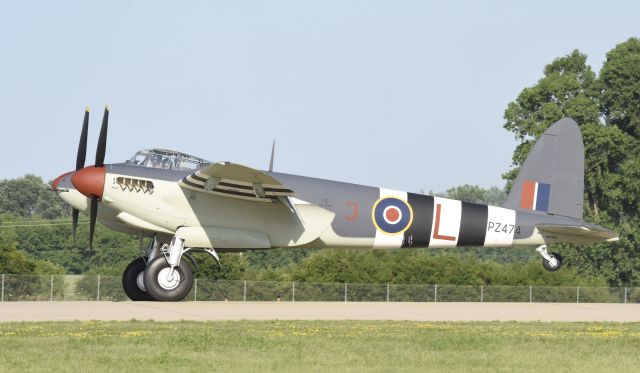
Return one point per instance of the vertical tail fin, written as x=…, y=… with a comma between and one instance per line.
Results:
x=551, y=179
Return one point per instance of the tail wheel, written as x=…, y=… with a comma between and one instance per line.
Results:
x=550, y=266
x=133, y=281
x=165, y=285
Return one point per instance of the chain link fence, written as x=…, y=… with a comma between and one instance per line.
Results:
x=109, y=288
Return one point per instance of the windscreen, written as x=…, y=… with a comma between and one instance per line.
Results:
x=168, y=160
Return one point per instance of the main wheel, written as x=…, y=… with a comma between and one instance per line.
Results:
x=551, y=268
x=133, y=281
x=164, y=286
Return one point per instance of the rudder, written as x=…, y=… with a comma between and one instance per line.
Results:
x=551, y=179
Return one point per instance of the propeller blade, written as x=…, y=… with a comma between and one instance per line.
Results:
x=82, y=146
x=102, y=140
x=74, y=217
x=93, y=215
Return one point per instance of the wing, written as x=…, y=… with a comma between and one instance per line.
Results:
x=236, y=181
x=585, y=233
x=303, y=223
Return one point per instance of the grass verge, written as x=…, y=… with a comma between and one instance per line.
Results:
x=318, y=346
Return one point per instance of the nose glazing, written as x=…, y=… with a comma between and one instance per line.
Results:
x=89, y=181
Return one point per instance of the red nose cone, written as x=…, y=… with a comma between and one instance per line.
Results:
x=89, y=181
x=54, y=184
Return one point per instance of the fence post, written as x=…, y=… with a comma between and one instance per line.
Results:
x=578, y=294
x=530, y=294
x=98, y=292
x=345, y=291
x=625, y=291
x=293, y=291
x=51, y=290
x=195, y=290
x=3, y=290
x=387, y=292
x=244, y=292
x=481, y=293
x=435, y=293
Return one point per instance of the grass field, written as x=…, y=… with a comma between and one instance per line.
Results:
x=319, y=346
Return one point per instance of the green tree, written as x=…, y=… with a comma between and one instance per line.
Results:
x=16, y=262
x=29, y=197
x=355, y=266
x=619, y=85
x=605, y=109
x=612, y=174
x=276, y=258
x=472, y=193
x=54, y=243
x=234, y=266
x=565, y=90
x=419, y=267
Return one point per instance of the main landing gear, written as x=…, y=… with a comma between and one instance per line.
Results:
x=550, y=261
x=160, y=274
x=169, y=279
x=133, y=280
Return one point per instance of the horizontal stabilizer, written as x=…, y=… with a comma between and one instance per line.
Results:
x=582, y=234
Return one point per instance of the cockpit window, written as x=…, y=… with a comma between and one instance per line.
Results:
x=167, y=159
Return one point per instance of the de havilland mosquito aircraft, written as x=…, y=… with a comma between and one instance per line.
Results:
x=187, y=204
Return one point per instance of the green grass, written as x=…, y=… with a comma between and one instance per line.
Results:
x=318, y=346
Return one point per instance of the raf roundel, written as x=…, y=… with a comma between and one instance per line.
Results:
x=392, y=215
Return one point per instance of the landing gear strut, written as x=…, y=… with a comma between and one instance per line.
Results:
x=550, y=261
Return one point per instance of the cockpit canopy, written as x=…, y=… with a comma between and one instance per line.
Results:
x=167, y=159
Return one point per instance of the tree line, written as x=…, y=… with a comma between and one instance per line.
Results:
x=31, y=244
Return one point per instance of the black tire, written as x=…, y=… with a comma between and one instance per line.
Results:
x=130, y=281
x=548, y=266
x=179, y=288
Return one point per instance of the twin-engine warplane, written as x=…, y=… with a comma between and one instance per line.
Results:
x=185, y=203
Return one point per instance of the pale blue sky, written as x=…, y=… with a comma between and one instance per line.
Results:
x=401, y=94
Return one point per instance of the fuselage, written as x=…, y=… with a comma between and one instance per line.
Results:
x=331, y=214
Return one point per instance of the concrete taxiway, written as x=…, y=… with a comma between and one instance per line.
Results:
x=202, y=311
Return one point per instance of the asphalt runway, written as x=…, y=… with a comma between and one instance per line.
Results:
x=202, y=311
